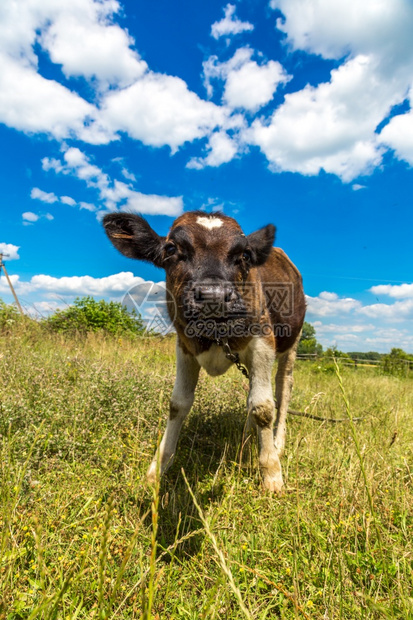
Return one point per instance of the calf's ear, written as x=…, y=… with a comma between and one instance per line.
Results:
x=260, y=242
x=133, y=237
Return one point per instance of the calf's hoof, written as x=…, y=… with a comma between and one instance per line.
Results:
x=272, y=479
x=274, y=484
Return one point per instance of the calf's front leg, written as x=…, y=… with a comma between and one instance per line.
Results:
x=283, y=387
x=261, y=409
x=187, y=372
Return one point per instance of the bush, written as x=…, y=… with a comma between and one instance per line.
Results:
x=397, y=363
x=88, y=315
x=9, y=316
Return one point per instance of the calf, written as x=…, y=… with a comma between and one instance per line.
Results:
x=233, y=298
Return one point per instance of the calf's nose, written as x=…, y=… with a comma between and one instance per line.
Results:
x=213, y=291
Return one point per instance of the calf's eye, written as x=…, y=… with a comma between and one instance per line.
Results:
x=170, y=249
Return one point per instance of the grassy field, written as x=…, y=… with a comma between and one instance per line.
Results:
x=83, y=537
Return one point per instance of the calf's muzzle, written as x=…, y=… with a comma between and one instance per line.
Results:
x=212, y=299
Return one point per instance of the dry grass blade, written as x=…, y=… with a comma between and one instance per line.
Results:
x=224, y=566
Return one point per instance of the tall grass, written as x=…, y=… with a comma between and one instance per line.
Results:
x=82, y=536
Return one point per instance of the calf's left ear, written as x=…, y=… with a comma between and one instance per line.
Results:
x=133, y=237
x=260, y=242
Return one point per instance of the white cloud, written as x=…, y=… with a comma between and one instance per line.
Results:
x=28, y=101
x=51, y=163
x=348, y=328
x=128, y=175
x=326, y=127
x=50, y=197
x=230, y=24
x=397, y=291
x=384, y=339
x=222, y=149
x=51, y=108
x=153, y=204
x=112, y=193
x=329, y=127
x=328, y=296
x=248, y=85
x=89, y=46
x=376, y=38
x=77, y=160
x=42, y=308
x=87, y=206
x=28, y=216
x=84, y=285
x=11, y=250
x=330, y=304
x=398, y=135
x=399, y=311
x=67, y=200
x=253, y=85
x=4, y=287
x=81, y=37
x=159, y=110
x=335, y=29
x=356, y=187
x=39, y=194
x=51, y=294
x=114, y=285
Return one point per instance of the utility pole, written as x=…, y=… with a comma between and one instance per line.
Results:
x=3, y=266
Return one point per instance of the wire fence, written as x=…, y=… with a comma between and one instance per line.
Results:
x=403, y=366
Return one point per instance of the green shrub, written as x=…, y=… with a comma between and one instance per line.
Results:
x=9, y=316
x=88, y=315
x=397, y=363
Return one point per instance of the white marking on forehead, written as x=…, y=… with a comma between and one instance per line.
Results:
x=209, y=222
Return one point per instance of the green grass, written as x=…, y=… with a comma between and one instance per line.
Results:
x=81, y=535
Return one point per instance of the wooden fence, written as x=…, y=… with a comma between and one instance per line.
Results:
x=356, y=362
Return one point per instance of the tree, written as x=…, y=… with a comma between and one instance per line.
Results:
x=88, y=315
x=308, y=331
x=397, y=362
x=365, y=355
x=308, y=344
x=334, y=352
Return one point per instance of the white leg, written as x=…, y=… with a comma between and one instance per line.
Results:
x=187, y=371
x=261, y=409
x=283, y=387
x=247, y=434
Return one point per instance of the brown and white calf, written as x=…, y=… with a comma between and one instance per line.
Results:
x=230, y=296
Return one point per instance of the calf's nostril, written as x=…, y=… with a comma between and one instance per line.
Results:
x=200, y=293
x=211, y=292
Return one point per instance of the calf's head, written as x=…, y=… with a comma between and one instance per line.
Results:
x=206, y=257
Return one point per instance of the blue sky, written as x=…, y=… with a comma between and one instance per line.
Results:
x=296, y=112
